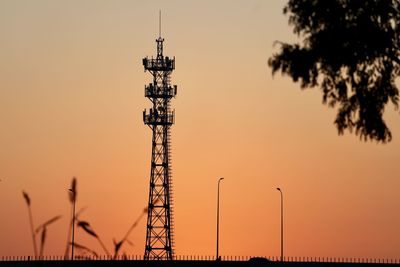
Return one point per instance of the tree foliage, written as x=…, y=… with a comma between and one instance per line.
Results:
x=350, y=49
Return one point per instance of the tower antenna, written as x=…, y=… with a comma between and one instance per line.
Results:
x=159, y=23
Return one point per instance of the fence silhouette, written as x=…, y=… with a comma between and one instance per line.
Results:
x=203, y=258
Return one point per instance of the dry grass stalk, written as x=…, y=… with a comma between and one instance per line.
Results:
x=88, y=229
x=47, y=223
x=118, y=245
x=86, y=249
x=72, y=192
x=43, y=228
x=42, y=241
x=28, y=203
x=69, y=243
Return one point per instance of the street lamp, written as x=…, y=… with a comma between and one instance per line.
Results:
x=219, y=180
x=281, y=222
x=73, y=222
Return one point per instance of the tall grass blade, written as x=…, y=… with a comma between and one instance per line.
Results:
x=103, y=246
x=129, y=242
x=43, y=228
x=47, y=223
x=28, y=203
x=42, y=241
x=66, y=253
x=86, y=227
x=118, y=245
x=78, y=246
x=72, y=198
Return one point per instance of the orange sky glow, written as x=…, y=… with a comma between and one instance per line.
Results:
x=71, y=102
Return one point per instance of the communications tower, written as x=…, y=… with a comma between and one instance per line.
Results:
x=160, y=117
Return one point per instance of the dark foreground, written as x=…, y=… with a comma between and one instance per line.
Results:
x=183, y=263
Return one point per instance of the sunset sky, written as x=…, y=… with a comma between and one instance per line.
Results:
x=71, y=102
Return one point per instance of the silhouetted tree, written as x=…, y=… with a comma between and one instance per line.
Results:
x=350, y=49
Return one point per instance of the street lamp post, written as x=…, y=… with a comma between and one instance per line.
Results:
x=73, y=223
x=281, y=222
x=219, y=180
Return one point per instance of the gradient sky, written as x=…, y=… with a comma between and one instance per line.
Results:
x=71, y=101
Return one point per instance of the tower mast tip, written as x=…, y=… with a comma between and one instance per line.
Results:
x=159, y=23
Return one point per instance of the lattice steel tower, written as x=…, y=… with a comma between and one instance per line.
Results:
x=160, y=117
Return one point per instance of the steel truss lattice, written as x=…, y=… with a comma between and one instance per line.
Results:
x=160, y=117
